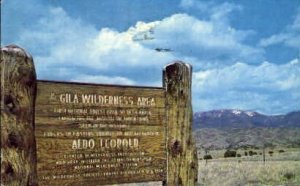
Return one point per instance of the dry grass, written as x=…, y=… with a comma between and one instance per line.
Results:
x=233, y=173
x=279, y=169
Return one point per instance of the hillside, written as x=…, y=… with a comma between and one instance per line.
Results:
x=222, y=138
x=220, y=129
x=243, y=119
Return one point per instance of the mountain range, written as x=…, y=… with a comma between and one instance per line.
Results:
x=232, y=118
x=231, y=128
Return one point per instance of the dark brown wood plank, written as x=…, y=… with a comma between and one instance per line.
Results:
x=90, y=134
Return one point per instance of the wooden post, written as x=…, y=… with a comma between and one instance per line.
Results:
x=18, y=90
x=182, y=161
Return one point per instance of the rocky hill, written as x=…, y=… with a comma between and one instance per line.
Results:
x=243, y=119
x=220, y=129
x=224, y=138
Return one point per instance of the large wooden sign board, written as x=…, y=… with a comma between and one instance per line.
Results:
x=89, y=134
x=80, y=134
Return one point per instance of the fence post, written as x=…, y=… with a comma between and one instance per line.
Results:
x=182, y=164
x=18, y=91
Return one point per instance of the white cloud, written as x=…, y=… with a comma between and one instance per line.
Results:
x=65, y=48
x=200, y=5
x=72, y=48
x=188, y=36
x=290, y=37
x=68, y=46
x=211, y=10
x=104, y=79
x=267, y=87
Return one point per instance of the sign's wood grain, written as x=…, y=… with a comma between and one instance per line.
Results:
x=90, y=134
x=18, y=90
x=182, y=156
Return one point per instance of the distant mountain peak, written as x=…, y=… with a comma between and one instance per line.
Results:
x=237, y=118
x=251, y=114
x=237, y=112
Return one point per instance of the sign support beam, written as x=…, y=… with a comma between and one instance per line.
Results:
x=182, y=156
x=18, y=91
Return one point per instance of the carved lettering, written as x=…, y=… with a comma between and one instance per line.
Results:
x=83, y=144
x=119, y=143
x=91, y=134
x=69, y=98
x=146, y=101
x=97, y=99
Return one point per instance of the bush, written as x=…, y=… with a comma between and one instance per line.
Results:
x=229, y=153
x=289, y=175
x=207, y=157
x=271, y=153
x=281, y=151
x=246, y=153
x=250, y=153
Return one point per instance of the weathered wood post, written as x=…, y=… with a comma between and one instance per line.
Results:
x=182, y=157
x=18, y=90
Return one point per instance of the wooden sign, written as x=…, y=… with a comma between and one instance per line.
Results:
x=80, y=134
x=89, y=134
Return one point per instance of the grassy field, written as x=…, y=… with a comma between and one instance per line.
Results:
x=279, y=169
x=288, y=154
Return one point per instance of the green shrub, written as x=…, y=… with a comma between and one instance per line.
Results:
x=250, y=153
x=229, y=153
x=207, y=157
x=289, y=175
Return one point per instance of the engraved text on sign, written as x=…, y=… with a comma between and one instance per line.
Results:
x=96, y=134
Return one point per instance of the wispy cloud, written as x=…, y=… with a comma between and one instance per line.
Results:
x=289, y=37
x=204, y=40
x=211, y=10
x=268, y=87
x=229, y=73
x=73, y=48
x=104, y=79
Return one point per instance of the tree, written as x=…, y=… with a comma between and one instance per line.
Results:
x=229, y=153
x=207, y=157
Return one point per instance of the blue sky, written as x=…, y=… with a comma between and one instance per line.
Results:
x=245, y=54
